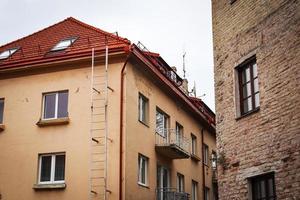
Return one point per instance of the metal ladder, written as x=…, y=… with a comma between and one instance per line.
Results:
x=98, y=131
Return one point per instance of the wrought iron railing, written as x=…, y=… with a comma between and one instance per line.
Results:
x=171, y=194
x=167, y=137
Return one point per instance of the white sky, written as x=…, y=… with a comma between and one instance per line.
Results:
x=165, y=26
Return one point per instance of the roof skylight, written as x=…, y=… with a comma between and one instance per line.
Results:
x=63, y=44
x=5, y=54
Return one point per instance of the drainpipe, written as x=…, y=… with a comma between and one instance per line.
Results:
x=121, y=126
x=203, y=167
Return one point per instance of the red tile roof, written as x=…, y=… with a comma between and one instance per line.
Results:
x=36, y=47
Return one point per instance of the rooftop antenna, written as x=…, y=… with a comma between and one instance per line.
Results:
x=183, y=64
x=194, y=89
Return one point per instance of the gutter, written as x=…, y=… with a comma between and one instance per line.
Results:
x=121, y=125
x=203, y=167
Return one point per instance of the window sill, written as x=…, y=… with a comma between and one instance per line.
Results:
x=143, y=185
x=53, y=122
x=144, y=123
x=195, y=157
x=248, y=113
x=49, y=186
x=2, y=127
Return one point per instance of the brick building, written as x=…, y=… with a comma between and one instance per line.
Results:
x=257, y=62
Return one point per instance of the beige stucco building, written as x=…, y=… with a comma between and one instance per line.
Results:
x=82, y=121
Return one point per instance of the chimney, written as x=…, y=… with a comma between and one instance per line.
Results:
x=185, y=86
x=174, y=69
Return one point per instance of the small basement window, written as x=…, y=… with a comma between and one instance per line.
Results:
x=64, y=44
x=7, y=53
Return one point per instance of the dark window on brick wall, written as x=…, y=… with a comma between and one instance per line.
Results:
x=263, y=187
x=248, y=86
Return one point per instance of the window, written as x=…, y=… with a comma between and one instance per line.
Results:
x=143, y=109
x=214, y=160
x=51, y=168
x=194, y=190
x=55, y=105
x=206, y=193
x=7, y=53
x=180, y=182
x=143, y=170
x=179, y=134
x=63, y=44
x=1, y=110
x=194, y=144
x=205, y=154
x=263, y=187
x=248, y=86
x=161, y=123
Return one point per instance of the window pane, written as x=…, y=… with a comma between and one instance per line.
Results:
x=160, y=123
x=143, y=171
x=245, y=75
x=49, y=104
x=46, y=168
x=59, y=168
x=62, y=104
x=1, y=110
x=254, y=70
x=4, y=54
x=247, y=103
x=142, y=108
x=270, y=187
x=246, y=90
x=256, y=85
x=263, y=188
x=257, y=100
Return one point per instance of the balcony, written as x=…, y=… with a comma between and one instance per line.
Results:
x=172, y=145
x=170, y=194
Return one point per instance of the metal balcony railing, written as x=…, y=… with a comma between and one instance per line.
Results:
x=171, y=194
x=167, y=140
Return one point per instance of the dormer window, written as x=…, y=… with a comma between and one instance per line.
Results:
x=64, y=44
x=7, y=53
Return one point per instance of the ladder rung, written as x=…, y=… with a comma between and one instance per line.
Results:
x=96, y=90
x=97, y=141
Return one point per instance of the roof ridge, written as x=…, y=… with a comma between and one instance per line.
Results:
x=98, y=30
x=34, y=33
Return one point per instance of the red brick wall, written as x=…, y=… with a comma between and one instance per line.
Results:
x=268, y=140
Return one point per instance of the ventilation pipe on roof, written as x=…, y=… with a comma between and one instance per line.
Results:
x=185, y=86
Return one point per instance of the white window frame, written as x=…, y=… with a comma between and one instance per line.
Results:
x=52, y=174
x=56, y=104
x=194, y=144
x=180, y=182
x=143, y=101
x=194, y=190
x=146, y=160
x=164, y=132
x=205, y=154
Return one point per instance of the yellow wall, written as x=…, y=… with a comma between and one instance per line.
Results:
x=141, y=138
x=22, y=140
